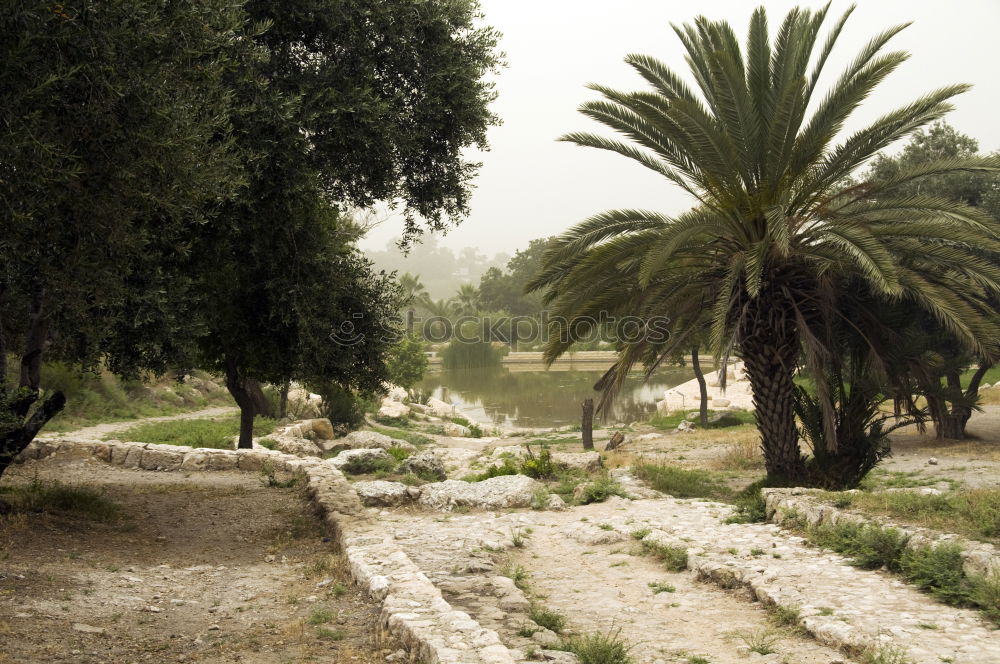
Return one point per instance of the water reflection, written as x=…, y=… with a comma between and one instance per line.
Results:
x=532, y=397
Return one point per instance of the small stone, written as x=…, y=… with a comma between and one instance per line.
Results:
x=269, y=558
x=87, y=629
x=213, y=628
x=153, y=609
x=932, y=461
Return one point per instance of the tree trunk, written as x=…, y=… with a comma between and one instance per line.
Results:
x=17, y=432
x=587, y=424
x=702, y=388
x=237, y=386
x=283, y=404
x=769, y=346
x=261, y=404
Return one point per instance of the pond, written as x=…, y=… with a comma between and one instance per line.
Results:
x=530, y=396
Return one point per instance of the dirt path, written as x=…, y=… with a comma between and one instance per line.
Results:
x=201, y=567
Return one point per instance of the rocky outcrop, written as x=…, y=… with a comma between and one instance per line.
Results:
x=393, y=409
x=439, y=408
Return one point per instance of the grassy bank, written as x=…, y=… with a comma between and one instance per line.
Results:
x=94, y=398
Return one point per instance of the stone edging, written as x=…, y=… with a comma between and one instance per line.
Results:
x=979, y=558
x=413, y=609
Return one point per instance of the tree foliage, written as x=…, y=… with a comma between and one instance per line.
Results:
x=114, y=148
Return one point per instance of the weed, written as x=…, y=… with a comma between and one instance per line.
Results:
x=658, y=587
x=320, y=616
x=366, y=465
x=825, y=611
x=786, y=616
x=540, y=498
x=605, y=526
x=762, y=641
x=526, y=631
x=599, y=648
x=885, y=654
x=270, y=478
x=675, y=558
x=517, y=538
x=938, y=570
x=538, y=467
x=517, y=574
x=547, y=618
x=398, y=453
x=697, y=659
x=756, y=551
x=639, y=533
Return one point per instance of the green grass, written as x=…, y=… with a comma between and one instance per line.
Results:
x=61, y=498
x=658, y=587
x=683, y=482
x=733, y=418
x=216, y=433
x=327, y=634
x=974, y=513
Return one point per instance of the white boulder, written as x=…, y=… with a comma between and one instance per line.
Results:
x=383, y=494
x=440, y=408
x=392, y=408
x=495, y=493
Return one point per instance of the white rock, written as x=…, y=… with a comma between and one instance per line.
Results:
x=380, y=493
x=393, y=408
x=440, y=408
x=367, y=440
x=455, y=430
x=932, y=461
x=494, y=493
x=426, y=465
x=397, y=393
x=361, y=456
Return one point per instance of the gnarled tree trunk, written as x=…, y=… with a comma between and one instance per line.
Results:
x=17, y=429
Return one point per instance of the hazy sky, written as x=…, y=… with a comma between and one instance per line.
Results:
x=531, y=186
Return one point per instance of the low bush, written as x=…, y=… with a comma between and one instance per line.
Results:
x=547, y=618
x=600, y=490
x=370, y=465
x=674, y=558
x=599, y=648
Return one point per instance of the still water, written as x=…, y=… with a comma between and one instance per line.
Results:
x=532, y=397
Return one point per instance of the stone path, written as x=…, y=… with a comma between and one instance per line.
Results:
x=586, y=564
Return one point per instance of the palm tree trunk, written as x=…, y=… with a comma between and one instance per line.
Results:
x=769, y=347
x=702, y=388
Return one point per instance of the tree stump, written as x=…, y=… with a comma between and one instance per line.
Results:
x=587, y=424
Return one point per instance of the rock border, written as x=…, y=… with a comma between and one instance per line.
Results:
x=413, y=609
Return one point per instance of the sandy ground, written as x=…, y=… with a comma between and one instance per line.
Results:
x=199, y=567
x=101, y=430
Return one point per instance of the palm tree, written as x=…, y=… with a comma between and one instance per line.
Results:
x=413, y=290
x=466, y=300
x=778, y=225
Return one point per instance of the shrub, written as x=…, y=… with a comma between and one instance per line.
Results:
x=407, y=362
x=538, y=467
x=341, y=406
x=607, y=648
x=600, y=490
x=938, y=570
x=508, y=467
